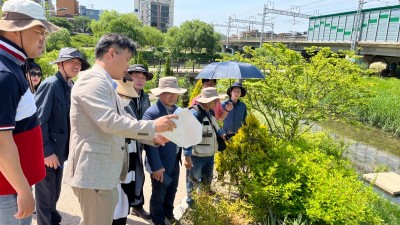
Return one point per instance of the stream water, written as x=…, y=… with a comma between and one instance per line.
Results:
x=368, y=149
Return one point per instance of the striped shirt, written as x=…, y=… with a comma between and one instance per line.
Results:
x=18, y=113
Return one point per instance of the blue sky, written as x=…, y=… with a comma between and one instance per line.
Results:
x=218, y=11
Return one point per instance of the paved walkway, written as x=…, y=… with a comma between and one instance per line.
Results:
x=69, y=207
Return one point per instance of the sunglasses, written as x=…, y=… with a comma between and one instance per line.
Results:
x=33, y=73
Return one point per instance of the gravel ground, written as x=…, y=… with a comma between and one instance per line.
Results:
x=69, y=207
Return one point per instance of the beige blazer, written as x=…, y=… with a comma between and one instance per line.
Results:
x=99, y=124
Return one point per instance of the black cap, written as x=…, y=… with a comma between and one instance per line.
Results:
x=239, y=85
x=141, y=69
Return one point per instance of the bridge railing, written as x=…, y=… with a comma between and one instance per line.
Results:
x=257, y=39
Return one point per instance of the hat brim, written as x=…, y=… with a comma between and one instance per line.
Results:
x=210, y=99
x=19, y=25
x=148, y=75
x=126, y=91
x=243, y=91
x=85, y=64
x=158, y=91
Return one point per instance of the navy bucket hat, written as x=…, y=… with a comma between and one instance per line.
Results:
x=239, y=85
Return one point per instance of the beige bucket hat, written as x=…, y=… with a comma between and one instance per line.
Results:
x=168, y=84
x=209, y=94
x=23, y=14
x=125, y=88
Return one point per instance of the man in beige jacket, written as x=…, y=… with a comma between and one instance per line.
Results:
x=99, y=124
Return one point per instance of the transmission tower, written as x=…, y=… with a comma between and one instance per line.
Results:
x=357, y=26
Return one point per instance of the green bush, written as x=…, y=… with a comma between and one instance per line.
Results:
x=83, y=40
x=289, y=178
x=218, y=211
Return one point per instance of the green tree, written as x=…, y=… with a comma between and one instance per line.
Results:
x=173, y=41
x=153, y=37
x=196, y=35
x=297, y=90
x=81, y=24
x=58, y=40
x=140, y=60
x=61, y=22
x=123, y=23
x=83, y=40
x=44, y=62
x=167, y=68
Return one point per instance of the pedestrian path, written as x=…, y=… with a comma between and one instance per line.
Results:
x=69, y=207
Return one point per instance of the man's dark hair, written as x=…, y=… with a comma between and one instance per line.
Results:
x=206, y=80
x=108, y=40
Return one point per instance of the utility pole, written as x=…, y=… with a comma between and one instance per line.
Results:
x=227, y=32
x=262, y=25
x=357, y=26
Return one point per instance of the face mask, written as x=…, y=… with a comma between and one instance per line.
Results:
x=125, y=102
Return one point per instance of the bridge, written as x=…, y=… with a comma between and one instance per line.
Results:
x=384, y=49
x=377, y=36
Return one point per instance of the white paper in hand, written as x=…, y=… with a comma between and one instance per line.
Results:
x=188, y=131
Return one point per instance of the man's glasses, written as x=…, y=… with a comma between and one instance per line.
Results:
x=43, y=32
x=33, y=73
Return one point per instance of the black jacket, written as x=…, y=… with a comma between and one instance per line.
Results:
x=140, y=105
x=53, y=100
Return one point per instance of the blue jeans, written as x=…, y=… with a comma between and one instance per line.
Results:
x=8, y=207
x=200, y=175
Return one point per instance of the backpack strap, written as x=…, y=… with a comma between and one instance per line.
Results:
x=201, y=113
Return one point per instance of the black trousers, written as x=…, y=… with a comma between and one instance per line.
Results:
x=163, y=196
x=47, y=193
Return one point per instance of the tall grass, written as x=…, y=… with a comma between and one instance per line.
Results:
x=383, y=110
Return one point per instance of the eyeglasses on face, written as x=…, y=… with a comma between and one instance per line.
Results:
x=33, y=73
x=43, y=32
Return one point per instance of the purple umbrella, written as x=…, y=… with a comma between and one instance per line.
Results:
x=230, y=69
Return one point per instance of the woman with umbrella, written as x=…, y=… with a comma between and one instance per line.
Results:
x=238, y=114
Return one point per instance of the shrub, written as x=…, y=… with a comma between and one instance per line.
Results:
x=303, y=177
x=209, y=210
x=196, y=90
x=377, y=67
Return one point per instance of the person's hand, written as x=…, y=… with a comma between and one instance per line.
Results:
x=188, y=162
x=52, y=161
x=159, y=139
x=223, y=136
x=25, y=204
x=164, y=123
x=158, y=175
x=229, y=106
